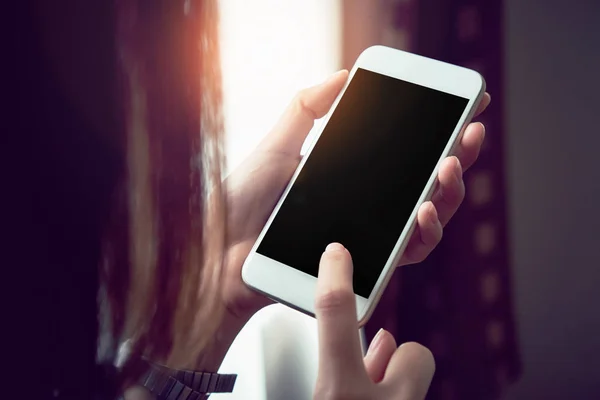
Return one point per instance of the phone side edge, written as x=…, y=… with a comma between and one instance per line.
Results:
x=389, y=269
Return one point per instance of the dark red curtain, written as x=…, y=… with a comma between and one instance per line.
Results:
x=459, y=301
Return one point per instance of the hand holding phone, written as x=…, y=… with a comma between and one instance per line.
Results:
x=387, y=371
x=365, y=177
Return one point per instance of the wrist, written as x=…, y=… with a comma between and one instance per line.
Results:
x=211, y=359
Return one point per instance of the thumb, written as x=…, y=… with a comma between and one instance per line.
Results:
x=298, y=119
x=340, y=356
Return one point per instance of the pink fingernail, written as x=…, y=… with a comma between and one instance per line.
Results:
x=376, y=341
x=433, y=217
x=334, y=246
x=458, y=170
x=334, y=76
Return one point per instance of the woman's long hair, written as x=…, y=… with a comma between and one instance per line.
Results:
x=113, y=204
x=161, y=265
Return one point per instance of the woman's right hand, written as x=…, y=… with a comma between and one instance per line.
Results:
x=387, y=371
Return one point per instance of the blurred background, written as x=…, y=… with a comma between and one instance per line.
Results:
x=509, y=302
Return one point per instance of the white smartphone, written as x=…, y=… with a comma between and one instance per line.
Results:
x=372, y=164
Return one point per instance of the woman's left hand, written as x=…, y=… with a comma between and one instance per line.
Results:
x=255, y=187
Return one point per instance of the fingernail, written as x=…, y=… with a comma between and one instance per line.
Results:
x=483, y=128
x=334, y=75
x=376, y=341
x=334, y=246
x=433, y=217
x=458, y=170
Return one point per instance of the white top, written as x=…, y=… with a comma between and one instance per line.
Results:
x=275, y=357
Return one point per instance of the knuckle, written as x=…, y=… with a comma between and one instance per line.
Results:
x=455, y=196
x=299, y=105
x=334, y=300
x=453, y=192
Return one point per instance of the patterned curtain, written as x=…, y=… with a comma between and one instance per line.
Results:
x=459, y=302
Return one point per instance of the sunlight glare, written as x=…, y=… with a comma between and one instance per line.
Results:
x=270, y=49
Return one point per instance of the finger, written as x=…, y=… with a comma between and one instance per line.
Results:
x=427, y=235
x=335, y=309
x=379, y=354
x=409, y=372
x=451, y=189
x=470, y=144
x=296, y=122
x=485, y=102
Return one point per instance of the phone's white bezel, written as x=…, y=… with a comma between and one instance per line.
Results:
x=296, y=288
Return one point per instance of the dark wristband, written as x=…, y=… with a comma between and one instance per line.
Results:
x=173, y=384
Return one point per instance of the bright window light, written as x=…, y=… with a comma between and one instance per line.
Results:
x=270, y=49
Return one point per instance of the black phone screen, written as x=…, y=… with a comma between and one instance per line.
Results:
x=364, y=176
